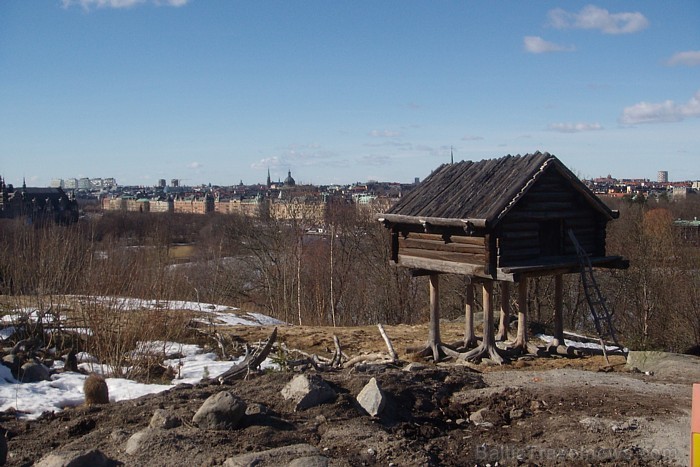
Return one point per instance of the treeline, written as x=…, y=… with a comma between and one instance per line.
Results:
x=343, y=277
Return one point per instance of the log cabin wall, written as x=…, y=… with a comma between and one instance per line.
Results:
x=535, y=229
x=444, y=247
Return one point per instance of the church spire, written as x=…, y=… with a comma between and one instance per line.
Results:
x=452, y=156
x=269, y=181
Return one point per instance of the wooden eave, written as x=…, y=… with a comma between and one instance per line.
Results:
x=393, y=219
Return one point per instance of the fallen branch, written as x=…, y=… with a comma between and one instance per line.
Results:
x=250, y=362
x=387, y=341
x=372, y=357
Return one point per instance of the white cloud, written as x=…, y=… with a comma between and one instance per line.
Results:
x=384, y=133
x=537, y=45
x=574, y=127
x=593, y=17
x=688, y=58
x=666, y=111
x=195, y=165
x=89, y=4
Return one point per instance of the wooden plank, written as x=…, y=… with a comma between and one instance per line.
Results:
x=468, y=240
x=449, y=267
x=444, y=255
x=440, y=246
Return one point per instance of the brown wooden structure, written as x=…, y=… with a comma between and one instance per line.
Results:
x=503, y=220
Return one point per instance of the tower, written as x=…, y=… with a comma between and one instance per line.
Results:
x=269, y=182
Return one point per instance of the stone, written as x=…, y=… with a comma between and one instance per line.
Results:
x=277, y=456
x=593, y=424
x=371, y=398
x=133, y=445
x=516, y=414
x=221, y=411
x=162, y=419
x=32, y=372
x=308, y=391
x=682, y=368
x=309, y=461
x=415, y=366
x=91, y=458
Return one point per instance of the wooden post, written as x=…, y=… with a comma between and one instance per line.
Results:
x=469, y=335
x=505, y=312
x=521, y=337
x=488, y=348
x=558, y=312
x=434, y=339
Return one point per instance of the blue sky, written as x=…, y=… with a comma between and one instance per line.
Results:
x=337, y=92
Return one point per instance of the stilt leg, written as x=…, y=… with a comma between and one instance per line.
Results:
x=470, y=340
x=488, y=348
x=558, y=313
x=502, y=334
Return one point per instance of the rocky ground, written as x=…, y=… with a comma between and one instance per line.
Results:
x=543, y=411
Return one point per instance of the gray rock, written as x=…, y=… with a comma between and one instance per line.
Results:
x=415, y=366
x=516, y=414
x=308, y=391
x=680, y=367
x=593, y=424
x=222, y=411
x=309, y=461
x=137, y=440
x=91, y=458
x=162, y=419
x=485, y=418
x=273, y=457
x=32, y=372
x=371, y=398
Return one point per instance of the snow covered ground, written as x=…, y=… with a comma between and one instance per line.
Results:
x=65, y=389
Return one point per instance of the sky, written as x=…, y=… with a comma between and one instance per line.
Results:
x=221, y=91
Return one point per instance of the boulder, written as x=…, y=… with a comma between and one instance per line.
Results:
x=308, y=391
x=136, y=441
x=91, y=458
x=371, y=398
x=162, y=419
x=33, y=372
x=273, y=457
x=222, y=411
x=681, y=367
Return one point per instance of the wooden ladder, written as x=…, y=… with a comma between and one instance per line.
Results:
x=602, y=318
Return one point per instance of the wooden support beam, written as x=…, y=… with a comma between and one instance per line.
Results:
x=488, y=348
x=434, y=327
x=469, y=335
x=502, y=334
x=558, y=312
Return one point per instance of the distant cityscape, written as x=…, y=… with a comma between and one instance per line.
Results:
x=285, y=199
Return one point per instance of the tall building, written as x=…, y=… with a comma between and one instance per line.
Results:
x=662, y=176
x=161, y=183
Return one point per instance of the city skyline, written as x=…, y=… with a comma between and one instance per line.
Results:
x=219, y=92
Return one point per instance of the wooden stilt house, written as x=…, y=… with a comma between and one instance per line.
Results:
x=500, y=220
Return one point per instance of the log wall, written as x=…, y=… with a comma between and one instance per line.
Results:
x=551, y=199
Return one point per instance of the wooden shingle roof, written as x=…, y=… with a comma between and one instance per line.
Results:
x=481, y=192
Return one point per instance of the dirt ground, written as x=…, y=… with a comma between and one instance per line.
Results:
x=542, y=411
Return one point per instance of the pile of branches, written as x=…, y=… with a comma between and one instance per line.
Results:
x=295, y=358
